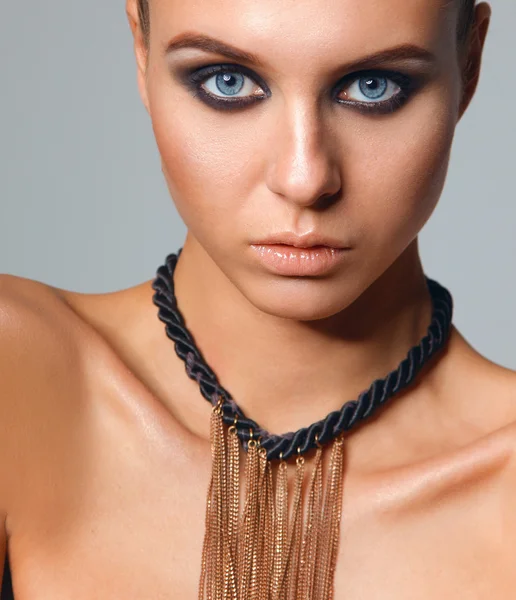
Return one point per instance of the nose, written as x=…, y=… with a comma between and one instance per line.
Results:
x=303, y=165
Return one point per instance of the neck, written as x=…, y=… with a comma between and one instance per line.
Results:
x=286, y=374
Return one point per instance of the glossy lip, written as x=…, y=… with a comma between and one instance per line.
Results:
x=289, y=260
x=304, y=241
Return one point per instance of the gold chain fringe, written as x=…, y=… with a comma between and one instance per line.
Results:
x=269, y=552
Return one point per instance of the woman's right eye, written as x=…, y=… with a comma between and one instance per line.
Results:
x=224, y=86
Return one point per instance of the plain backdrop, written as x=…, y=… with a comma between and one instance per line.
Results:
x=83, y=204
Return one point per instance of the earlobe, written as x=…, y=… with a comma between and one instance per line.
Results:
x=142, y=88
x=470, y=76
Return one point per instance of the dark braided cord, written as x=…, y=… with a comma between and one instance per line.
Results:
x=333, y=424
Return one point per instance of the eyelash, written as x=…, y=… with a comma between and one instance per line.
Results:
x=195, y=79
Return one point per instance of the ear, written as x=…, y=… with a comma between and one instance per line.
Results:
x=471, y=64
x=140, y=49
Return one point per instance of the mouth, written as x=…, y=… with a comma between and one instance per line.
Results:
x=299, y=261
x=308, y=241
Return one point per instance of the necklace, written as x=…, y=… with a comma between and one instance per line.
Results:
x=279, y=546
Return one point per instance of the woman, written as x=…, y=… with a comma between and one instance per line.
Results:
x=282, y=127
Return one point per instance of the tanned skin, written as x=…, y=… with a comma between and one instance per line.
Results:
x=104, y=440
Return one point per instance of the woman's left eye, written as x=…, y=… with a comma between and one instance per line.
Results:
x=373, y=88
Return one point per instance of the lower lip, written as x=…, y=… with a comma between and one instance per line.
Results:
x=289, y=260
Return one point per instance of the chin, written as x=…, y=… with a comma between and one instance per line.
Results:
x=299, y=299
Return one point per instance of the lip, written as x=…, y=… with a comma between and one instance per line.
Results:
x=308, y=240
x=284, y=259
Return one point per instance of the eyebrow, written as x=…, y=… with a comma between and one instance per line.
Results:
x=212, y=45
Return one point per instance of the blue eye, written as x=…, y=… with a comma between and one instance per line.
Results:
x=226, y=86
x=230, y=86
x=228, y=83
x=376, y=91
x=372, y=89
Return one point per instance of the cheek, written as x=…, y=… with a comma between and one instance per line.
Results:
x=206, y=159
x=398, y=172
x=393, y=167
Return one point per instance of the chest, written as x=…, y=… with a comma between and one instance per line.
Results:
x=123, y=517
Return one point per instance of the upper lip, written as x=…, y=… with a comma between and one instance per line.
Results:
x=304, y=241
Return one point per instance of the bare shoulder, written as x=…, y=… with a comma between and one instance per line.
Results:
x=55, y=342
x=34, y=323
x=37, y=316
x=492, y=386
x=41, y=370
x=481, y=397
x=492, y=411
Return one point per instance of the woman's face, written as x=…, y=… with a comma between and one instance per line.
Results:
x=306, y=139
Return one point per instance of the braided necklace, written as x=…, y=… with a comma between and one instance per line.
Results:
x=266, y=551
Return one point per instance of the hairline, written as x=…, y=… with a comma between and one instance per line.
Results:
x=464, y=24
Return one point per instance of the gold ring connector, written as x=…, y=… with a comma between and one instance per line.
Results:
x=252, y=442
x=218, y=407
x=300, y=460
x=233, y=428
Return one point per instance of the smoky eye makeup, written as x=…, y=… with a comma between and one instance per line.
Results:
x=218, y=85
x=231, y=86
x=381, y=91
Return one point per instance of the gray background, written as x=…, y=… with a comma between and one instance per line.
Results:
x=83, y=204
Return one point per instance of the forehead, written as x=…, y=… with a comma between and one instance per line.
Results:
x=310, y=27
